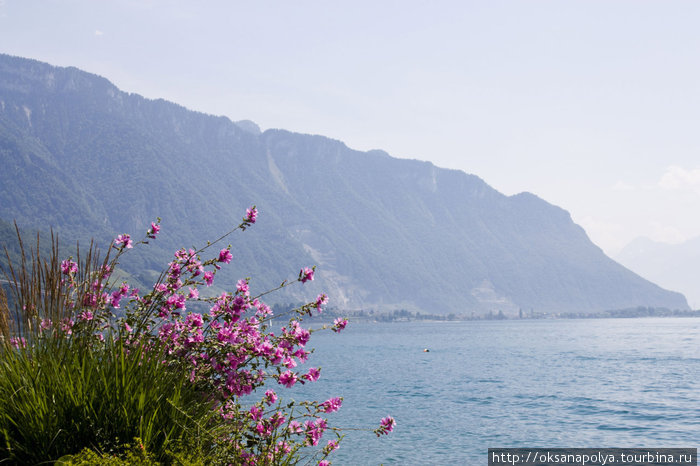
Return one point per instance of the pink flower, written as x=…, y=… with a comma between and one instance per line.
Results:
x=295, y=427
x=256, y=413
x=116, y=298
x=176, y=301
x=153, y=231
x=270, y=397
x=251, y=214
x=302, y=355
x=263, y=429
x=339, y=324
x=90, y=299
x=193, y=293
x=332, y=446
x=323, y=463
x=313, y=433
x=124, y=241
x=314, y=430
x=283, y=447
x=225, y=256
x=263, y=309
x=209, y=278
x=306, y=275
x=388, y=423
x=277, y=419
x=196, y=269
x=174, y=271
x=67, y=326
x=242, y=287
x=313, y=374
x=18, y=342
x=385, y=426
x=332, y=405
x=194, y=320
x=321, y=300
x=68, y=267
x=288, y=379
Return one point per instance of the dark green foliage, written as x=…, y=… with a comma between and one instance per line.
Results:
x=129, y=455
x=60, y=394
x=62, y=398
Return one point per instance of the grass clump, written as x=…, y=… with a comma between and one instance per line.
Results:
x=68, y=384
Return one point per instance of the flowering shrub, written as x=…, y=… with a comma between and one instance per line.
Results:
x=219, y=372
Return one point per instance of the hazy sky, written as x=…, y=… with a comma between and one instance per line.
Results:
x=592, y=105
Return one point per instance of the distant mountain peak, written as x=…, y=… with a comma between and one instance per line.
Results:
x=249, y=126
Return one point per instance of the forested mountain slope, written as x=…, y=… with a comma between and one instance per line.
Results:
x=87, y=159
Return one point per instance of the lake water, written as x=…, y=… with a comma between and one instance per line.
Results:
x=521, y=383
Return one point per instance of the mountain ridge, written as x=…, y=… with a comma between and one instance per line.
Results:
x=86, y=158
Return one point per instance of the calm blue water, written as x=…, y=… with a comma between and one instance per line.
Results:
x=540, y=383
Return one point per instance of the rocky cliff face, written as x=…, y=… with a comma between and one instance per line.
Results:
x=386, y=233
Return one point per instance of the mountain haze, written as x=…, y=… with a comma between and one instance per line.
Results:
x=85, y=158
x=672, y=265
